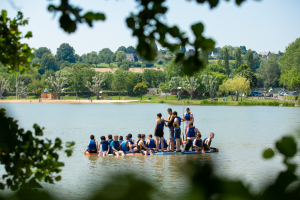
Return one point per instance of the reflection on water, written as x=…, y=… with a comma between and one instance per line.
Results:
x=241, y=133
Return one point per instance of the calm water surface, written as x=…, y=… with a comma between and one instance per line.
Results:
x=241, y=134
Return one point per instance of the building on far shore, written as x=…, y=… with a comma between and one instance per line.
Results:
x=265, y=55
x=131, y=57
x=214, y=55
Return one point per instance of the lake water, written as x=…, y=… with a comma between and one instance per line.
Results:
x=241, y=134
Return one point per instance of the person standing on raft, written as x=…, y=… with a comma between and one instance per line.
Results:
x=177, y=131
x=159, y=129
x=169, y=124
x=187, y=117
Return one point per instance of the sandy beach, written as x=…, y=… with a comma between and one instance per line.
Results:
x=66, y=101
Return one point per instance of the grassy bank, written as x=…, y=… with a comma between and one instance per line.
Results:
x=172, y=99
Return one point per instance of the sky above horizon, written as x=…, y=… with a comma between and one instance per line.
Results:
x=267, y=25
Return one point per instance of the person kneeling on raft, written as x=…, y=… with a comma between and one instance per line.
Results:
x=93, y=145
x=198, y=144
x=207, y=143
x=115, y=146
x=191, y=135
x=141, y=145
x=126, y=145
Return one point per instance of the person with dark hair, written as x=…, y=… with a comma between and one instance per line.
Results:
x=121, y=139
x=151, y=143
x=141, y=146
x=187, y=117
x=169, y=123
x=115, y=146
x=159, y=128
x=105, y=146
x=131, y=140
x=191, y=135
x=207, y=142
x=92, y=147
x=109, y=138
x=198, y=144
x=126, y=146
x=177, y=131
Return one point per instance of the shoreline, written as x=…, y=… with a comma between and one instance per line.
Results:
x=65, y=101
x=187, y=102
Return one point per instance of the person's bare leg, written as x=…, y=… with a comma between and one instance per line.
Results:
x=197, y=150
x=162, y=143
x=177, y=144
x=172, y=144
x=151, y=152
x=157, y=142
x=117, y=154
x=121, y=153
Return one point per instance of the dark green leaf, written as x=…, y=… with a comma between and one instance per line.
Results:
x=28, y=34
x=268, y=153
x=287, y=146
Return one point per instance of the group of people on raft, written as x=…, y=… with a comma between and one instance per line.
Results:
x=119, y=146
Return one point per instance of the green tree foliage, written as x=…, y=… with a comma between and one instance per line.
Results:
x=173, y=70
x=120, y=55
x=256, y=62
x=210, y=83
x=57, y=82
x=96, y=84
x=16, y=56
x=27, y=158
x=119, y=79
x=105, y=51
x=130, y=49
x=153, y=77
x=38, y=53
x=141, y=88
x=250, y=61
x=3, y=85
x=65, y=53
x=269, y=71
x=238, y=58
x=165, y=87
x=290, y=62
x=121, y=48
x=190, y=84
x=243, y=50
x=236, y=85
x=47, y=63
x=131, y=81
x=215, y=68
x=226, y=61
x=246, y=72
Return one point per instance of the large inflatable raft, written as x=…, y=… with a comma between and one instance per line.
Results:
x=158, y=153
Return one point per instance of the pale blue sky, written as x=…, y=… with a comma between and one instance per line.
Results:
x=267, y=25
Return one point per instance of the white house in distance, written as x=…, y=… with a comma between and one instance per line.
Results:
x=131, y=57
x=214, y=55
x=265, y=55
